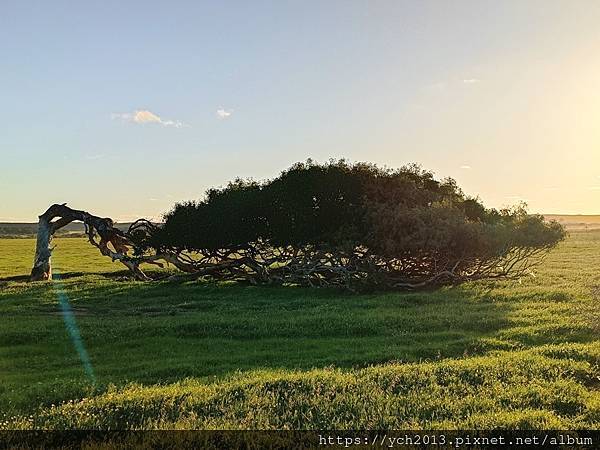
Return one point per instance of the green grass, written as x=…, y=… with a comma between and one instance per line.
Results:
x=202, y=355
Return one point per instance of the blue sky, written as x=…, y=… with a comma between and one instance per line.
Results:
x=123, y=108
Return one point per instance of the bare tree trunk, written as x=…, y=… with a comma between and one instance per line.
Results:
x=94, y=226
x=42, y=267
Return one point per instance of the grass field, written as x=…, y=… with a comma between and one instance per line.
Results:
x=198, y=355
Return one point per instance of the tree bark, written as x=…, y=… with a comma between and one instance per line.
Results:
x=42, y=267
x=94, y=225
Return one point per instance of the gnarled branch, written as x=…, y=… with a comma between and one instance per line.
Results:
x=58, y=216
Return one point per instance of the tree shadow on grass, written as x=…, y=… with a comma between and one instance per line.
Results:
x=25, y=278
x=164, y=331
x=336, y=325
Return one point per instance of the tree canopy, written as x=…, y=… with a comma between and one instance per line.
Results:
x=355, y=225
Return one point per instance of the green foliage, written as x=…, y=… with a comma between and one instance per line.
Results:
x=307, y=204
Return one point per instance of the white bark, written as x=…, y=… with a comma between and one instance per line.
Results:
x=42, y=266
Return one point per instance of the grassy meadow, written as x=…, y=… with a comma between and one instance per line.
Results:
x=502, y=354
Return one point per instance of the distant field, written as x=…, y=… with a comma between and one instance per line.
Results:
x=203, y=355
x=576, y=222
x=20, y=230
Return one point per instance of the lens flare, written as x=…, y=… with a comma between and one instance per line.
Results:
x=71, y=325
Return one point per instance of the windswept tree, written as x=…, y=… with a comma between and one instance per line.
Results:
x=336, y=224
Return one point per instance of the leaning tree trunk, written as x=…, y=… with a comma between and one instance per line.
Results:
x=42, y=267
x=94, y=226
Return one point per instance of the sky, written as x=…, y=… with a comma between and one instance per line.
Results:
x=124, y=108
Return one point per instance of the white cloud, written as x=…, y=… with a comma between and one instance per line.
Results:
x=143, y=116
x=465, y=167
x=224, y=113
x=471, y=80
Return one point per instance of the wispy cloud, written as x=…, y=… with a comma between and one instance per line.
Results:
x=594, y=188
x=94, y=157
x=471, y=80
x=466, y=167
x=515, y=198
x=143, y=116
x=224, y=113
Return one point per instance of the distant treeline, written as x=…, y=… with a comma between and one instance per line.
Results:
x=27, y=230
